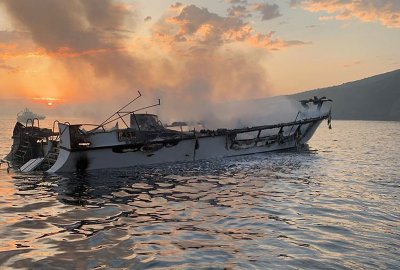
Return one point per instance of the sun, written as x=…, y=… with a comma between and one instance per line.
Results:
x=49, y=101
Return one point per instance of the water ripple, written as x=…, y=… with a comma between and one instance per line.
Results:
x=336, y=208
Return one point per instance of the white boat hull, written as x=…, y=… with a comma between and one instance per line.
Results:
x=101, y=154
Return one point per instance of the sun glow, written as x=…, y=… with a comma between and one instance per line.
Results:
x=50, y=102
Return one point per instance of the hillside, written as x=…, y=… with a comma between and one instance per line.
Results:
x=374, y=98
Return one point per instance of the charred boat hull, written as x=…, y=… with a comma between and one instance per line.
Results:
x=106, y=151
x=146, y=141
x=29, y=142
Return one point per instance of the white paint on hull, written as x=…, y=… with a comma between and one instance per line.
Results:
x=208, y=147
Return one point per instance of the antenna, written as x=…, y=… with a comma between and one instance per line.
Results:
x=123, y=114
x=119, y=111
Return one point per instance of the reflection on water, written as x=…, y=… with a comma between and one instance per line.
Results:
x=335, y=206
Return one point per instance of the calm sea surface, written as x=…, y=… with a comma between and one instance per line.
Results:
x=335, y=206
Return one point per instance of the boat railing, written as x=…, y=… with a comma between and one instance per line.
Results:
x=92, y=125
x=32, y=121
x=121, y=113
x=54, y=126
x=281, y=125
x=296, y=136
x=28, y=121
x=38, y=122
x=55, y=135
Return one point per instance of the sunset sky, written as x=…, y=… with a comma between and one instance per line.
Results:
x=57, y=52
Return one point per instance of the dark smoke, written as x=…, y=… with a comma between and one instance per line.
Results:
x=189, y=70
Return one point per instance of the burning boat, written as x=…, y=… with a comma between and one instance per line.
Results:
x=145, y=141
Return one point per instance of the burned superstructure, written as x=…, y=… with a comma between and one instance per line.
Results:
x=145, y=140
x=30, y=141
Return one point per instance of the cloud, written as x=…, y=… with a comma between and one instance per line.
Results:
x=192, y=58
x=239, y=11
x=11, y=36
x=237, y=1
x=244, y=9
x=90, y=29
x=13, y=40
x=8, y=68
x=210, y=67
x=268, y=11
x=387, y=12
x=76, y=24
x=176, y=5
x=200, y=27
x=274, y=44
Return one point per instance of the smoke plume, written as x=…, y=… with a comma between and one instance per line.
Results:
x=192, y=59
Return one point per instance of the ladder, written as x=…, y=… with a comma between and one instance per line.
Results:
x=23, y=153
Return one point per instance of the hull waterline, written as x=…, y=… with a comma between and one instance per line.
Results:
x=184, y=151
x=146, y=141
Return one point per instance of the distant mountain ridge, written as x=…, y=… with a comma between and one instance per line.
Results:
x=373, y=98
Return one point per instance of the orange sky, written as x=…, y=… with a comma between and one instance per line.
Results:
x=194, y=51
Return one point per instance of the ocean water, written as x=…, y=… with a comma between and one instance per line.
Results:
x=333, y=206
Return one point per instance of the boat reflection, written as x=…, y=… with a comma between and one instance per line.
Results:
x=143, y=213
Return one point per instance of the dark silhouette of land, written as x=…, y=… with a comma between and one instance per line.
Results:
x=374, y=98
